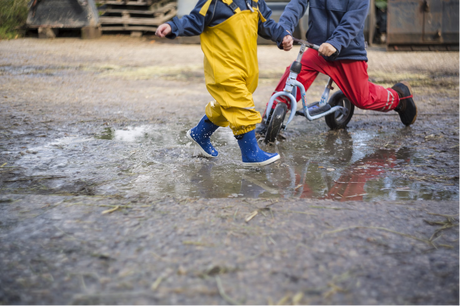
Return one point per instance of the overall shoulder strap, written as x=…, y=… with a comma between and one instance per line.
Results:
x=205, y=8
x=232, y=5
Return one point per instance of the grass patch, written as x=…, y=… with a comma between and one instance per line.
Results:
x=388, y=79
x=13, y=16
x=144, y=73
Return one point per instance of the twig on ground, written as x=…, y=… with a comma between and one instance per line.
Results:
x=108, y=211
x=252, y=215
x=223, y=294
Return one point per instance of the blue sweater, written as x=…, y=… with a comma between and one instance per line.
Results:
x=194, y=23
x=338, y=22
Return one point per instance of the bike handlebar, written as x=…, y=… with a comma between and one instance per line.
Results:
x=313, y=46
x=306, y=43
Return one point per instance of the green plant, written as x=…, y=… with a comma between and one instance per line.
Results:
x=381, y=4
x=13, y=16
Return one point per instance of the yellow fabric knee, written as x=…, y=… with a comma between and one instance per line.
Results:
x=239, y=119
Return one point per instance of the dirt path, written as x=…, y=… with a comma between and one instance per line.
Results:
x=103, y=202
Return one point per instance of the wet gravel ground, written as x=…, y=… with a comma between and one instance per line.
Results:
x=103, y=201
x=64, y=249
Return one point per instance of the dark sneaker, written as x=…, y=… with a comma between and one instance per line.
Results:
x=406, y=108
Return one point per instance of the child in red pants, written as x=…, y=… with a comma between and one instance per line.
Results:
x=336, y=25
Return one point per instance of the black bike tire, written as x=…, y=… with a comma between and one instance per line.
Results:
x=276, y=122
x=337, y=120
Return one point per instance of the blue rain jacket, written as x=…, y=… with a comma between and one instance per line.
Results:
x=194, y=23
x=338, y=22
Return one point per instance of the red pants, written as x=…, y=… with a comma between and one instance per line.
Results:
x=350, y=76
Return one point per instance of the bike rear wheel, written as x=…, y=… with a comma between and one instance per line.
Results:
x=276, y=122
x=338, y=119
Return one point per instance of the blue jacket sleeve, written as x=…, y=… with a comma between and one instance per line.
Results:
x=270, y=29
x=350, y=25
x=292, y=13
x=189, y=25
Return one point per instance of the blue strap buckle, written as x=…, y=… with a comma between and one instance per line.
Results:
x=233, y=6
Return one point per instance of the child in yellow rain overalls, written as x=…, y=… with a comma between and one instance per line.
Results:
x=228, y=32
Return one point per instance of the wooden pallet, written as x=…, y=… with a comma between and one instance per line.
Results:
x=127, y=2
x=145, y=18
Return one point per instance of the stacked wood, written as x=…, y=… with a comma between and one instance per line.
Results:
x=135, y=16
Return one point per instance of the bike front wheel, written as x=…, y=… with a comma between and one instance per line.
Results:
x=276, y=122
x=339, y=119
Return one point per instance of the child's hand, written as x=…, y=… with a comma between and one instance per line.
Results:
x=326, y=49
x=163, y=30
x=287, y=42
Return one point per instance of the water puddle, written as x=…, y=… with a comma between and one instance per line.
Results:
x=156, y=160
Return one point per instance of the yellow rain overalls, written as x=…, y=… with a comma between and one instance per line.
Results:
x=231, y=70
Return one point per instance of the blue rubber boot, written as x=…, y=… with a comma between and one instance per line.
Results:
x=200, y=135
x=251, y=153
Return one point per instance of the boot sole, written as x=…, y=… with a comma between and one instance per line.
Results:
x=264, y=163
x=202, y=151
x=416, y=110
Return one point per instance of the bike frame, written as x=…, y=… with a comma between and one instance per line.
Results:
x=291, y=87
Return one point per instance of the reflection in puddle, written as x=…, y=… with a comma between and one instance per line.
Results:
x=158, y=159
x=107, y=134
x=130, y=134
x=351, y=185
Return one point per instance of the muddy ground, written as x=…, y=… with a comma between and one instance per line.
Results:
x=103, y=200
